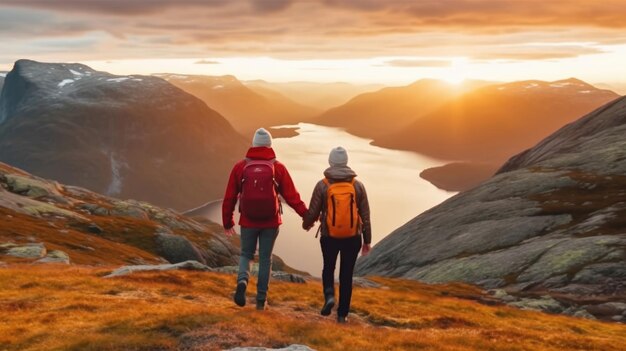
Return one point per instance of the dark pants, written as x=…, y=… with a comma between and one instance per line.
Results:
x=249, y=238
x=349, y=250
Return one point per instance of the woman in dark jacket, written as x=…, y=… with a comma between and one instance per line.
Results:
x=347, y=247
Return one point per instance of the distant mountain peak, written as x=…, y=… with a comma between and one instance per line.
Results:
x=572, y=80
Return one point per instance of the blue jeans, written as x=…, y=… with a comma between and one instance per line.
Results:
x=266, y=238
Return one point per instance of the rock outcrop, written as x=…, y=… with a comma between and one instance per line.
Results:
x=186, y=265
x=132, y=136
x=50, y=222
x=550, y=223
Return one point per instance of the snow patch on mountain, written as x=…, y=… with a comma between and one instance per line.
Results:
x=64, y=82
x=118, y=80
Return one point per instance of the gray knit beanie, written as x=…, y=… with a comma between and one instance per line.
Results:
x=338, y=157
x=262, y=138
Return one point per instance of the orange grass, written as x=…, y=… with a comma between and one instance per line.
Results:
x=47, y=307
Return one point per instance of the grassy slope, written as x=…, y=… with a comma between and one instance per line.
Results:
x=74, y=308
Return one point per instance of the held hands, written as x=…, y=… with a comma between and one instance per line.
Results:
x=307, y=227
x=230, y=231
x=365, y=250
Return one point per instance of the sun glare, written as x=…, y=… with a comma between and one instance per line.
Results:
x=456, y=73
x=454, y=80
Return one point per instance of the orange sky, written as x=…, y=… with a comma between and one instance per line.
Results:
x=392, y=41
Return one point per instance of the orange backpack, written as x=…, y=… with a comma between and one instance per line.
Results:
x=342, y=215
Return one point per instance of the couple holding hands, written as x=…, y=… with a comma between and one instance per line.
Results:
x=338, y=201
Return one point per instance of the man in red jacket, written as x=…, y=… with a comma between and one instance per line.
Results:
x=260, y=211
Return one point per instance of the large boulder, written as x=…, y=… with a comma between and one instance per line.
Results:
x=27, y=251
x=186, y=265
x=176, y=248
x=55, y=256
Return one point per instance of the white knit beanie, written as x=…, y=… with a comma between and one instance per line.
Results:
x=338, y=157
x=262, y=138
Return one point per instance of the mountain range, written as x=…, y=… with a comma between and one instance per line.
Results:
x=322, y=96
x=495, y=122
x=551, y=222
x=379, y=113
x=132, y=136
x=245, y=108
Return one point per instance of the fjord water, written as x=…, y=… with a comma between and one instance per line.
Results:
x=395, y=190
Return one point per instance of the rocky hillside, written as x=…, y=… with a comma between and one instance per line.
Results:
x=45, y=221
x=126, y=136
x=79, y=308
x=246, y=109
x=379, y=113
x=552, y=222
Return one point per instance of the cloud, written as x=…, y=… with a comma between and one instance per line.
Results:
x=297, y=29
x=143, y=7
x=536, y=51
x=270, y=5
x=494, y=13
x=206, y=62
x=419, y=63
x=118, y=7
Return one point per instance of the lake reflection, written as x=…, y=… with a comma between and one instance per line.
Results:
x=396, y=192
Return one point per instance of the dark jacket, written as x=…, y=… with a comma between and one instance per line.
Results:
x=317, y=206
x=286, y=188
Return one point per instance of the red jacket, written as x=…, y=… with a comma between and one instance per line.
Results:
x=286, y=188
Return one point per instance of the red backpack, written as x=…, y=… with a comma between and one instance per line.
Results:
x=259, y=190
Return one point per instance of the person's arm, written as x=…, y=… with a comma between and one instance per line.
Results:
x=288, y=190
x=315, y=206
x=364, y=211
x=230, y=198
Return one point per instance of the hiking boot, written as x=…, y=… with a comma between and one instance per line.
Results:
x=342, y=319
x=329, y=303
x=260, y=305
x=240, y=293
